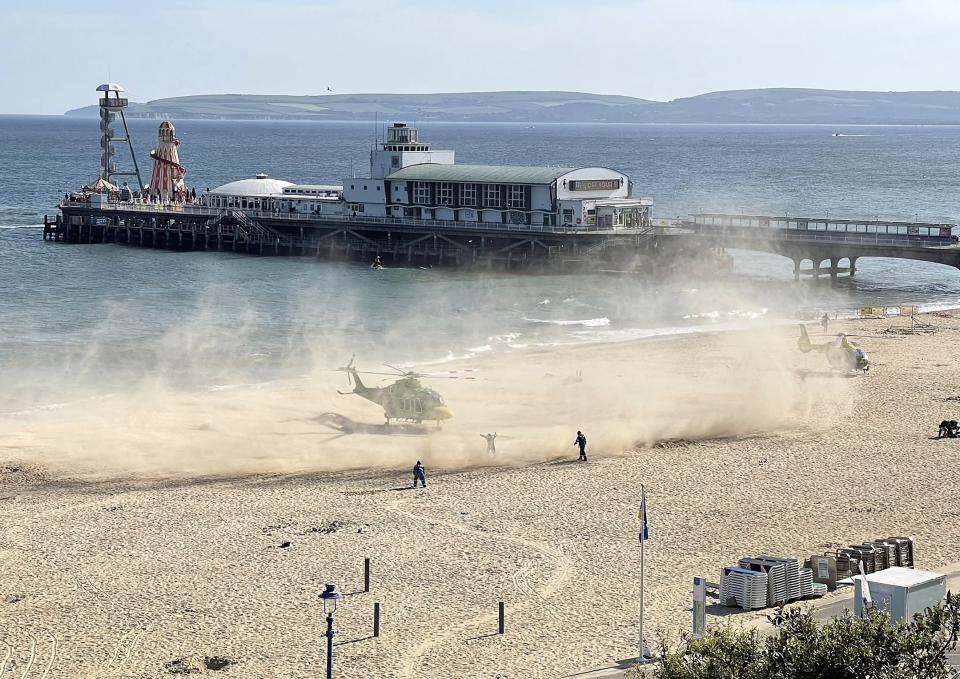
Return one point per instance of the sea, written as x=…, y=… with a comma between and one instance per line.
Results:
x=110, y=313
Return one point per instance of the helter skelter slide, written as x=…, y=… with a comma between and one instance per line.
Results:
x=167, y=179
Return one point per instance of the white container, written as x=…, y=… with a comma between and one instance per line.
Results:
x=902, y=592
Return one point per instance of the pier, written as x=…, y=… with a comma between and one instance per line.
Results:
x=418, y=207
x=397, y=241
x=832, y=246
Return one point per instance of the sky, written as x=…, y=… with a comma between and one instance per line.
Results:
x=55, y=52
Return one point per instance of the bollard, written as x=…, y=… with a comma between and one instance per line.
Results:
x=376, y=618
x=501, y=627
x=366, y=574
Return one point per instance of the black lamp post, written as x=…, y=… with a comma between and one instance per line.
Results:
x=330, y=598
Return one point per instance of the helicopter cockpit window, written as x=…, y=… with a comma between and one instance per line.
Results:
x=417, y=406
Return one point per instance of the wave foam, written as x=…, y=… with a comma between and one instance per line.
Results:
x=587, y=322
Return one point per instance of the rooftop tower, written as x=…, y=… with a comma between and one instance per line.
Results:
x=110, y=107
x=403, y=148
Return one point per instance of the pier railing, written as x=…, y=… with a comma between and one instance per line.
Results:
x=824, y=237
x=174, y=209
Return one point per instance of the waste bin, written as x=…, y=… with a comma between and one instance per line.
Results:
x=825, y=569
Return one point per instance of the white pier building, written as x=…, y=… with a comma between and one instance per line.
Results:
x=266, y=194
x=410, y=180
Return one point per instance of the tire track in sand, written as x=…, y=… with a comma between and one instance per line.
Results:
x=8, y=654
x=6, y=658
x=53, y=654
x=116, y=662
x=33, y=656
x=559, y=577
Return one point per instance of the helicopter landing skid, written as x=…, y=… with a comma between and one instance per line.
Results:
x=346, y=425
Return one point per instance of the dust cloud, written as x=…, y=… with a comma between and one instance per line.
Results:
x=187, y=404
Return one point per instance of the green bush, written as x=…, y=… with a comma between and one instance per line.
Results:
x=844, y=647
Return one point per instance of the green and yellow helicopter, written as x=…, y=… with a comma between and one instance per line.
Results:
x=842, y=354
x=406, y=400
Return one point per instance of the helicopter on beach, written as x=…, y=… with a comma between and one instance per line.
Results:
x=405, y=400
x=842, y=354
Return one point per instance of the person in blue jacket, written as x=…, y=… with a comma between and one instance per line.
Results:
x=582, y=442
x=419, y=474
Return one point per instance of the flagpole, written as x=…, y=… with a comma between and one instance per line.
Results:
x=643, y=504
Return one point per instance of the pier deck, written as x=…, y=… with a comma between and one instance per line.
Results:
x=403, y=242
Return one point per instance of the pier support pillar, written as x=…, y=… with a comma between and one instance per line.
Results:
x=834, y=265
x=853, y=266
x=816, y=269
x=796, y=269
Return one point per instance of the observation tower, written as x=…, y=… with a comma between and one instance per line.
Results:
x=110, y=107
x=167, y=179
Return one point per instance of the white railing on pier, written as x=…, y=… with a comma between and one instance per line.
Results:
x=825, y=237
x=174, y=209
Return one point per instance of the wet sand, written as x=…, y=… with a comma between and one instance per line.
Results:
x=138, y=540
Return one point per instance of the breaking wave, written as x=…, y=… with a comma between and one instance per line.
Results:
x=587, y=322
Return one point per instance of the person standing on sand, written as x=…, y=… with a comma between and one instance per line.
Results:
x=419, y=474
x=825, y=322
x=491, y=442
x=582, y=442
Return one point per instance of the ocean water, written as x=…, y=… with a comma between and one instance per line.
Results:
x=106, y=313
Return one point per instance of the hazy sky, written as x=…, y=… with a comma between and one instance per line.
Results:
x=55, y=52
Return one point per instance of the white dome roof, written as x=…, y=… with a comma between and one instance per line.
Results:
x=261, y=185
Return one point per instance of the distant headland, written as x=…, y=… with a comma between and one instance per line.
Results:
x=773, y=106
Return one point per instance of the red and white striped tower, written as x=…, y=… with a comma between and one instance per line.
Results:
x=168, y=173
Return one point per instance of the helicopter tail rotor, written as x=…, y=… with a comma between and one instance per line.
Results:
x=351, y=379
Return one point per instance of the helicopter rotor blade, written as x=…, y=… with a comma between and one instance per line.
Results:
x=466, y=374
x=367, y=372
x=449, y=377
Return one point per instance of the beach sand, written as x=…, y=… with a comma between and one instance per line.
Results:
x=141, y=535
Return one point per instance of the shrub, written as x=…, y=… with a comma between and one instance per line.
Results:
x=800, y=647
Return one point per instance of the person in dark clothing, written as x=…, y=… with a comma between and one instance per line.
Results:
x=825, y=322
x=419, y=474
x=582, y=442
x=949, y=429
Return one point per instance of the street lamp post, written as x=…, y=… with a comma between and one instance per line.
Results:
x=330, y=598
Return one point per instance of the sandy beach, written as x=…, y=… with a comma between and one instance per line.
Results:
x=141, y=534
